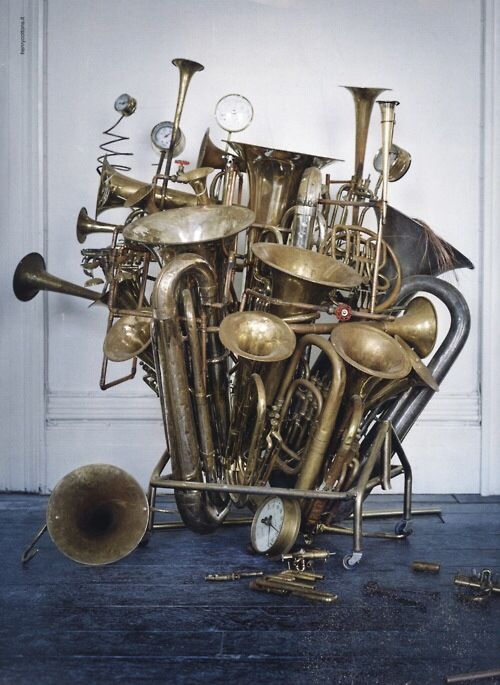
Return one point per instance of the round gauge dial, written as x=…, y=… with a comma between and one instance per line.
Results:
x=161, y=135
x=125, y=104
x=233, y=112
x=276, y=525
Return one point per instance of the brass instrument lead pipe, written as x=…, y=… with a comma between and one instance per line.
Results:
x=387, y=109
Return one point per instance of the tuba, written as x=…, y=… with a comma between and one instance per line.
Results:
x=192, y=382
x=274, y=178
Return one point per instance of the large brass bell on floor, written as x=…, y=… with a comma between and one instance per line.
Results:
x=97, y=514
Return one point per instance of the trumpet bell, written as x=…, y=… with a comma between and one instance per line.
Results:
x=258, y=336
x=30, y=277
x=85, y=226
x=127, y=338
x=417, y=326
x=370, y=350
x=212, y=156
x=97, y=514
x=189, y=225
x=118, y=190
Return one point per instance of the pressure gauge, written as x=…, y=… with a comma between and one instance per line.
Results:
x=161, y=135
x=125, y=104
x=276, y=525
x=233, y=112
x=399, y=162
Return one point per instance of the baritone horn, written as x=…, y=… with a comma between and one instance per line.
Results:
x=97, y=514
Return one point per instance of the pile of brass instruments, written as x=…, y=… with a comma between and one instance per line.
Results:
x=285, y=341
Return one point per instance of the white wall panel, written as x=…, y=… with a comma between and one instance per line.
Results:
x=287, y=57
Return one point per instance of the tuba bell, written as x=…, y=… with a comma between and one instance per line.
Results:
x=274, y=178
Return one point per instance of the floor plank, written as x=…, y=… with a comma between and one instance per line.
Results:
x=152, y=618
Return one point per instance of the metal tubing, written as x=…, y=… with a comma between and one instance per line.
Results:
x=404, y=410
x=165, y=482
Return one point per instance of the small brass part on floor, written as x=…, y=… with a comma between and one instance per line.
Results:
x=425, y=567
x=235, y=575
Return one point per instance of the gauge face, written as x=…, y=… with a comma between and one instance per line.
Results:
x=378, y=162
x=275, y=526
x=233, y=112
x=161, y=135
x=125, y=104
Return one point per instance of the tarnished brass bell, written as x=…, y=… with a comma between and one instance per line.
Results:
x=417, y=326
x=274, y=178
x=307, y=265
x=258, y=336
x=30, y=277
x=127, y=338
x=419, y=367
x=97, y=514
x=85, y=226
x=189, y=225
x=370, y=350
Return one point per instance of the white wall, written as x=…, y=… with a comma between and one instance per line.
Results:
x=287, y=57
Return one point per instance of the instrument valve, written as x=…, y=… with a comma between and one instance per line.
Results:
x=181, y=163
x=343, y=312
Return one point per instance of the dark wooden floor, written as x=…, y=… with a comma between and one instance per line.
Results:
x=151, y=618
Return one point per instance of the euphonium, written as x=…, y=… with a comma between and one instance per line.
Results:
x=208, y=231
x=30, y=277
x=85, y=226
x=293, y=450
x=259, y=340
x=97, y=514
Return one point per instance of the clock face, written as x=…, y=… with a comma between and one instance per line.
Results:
x=276, y=525
x=233, y=113
x=161, y=136
x=125, y=104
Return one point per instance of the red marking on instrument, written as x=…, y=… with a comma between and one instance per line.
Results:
x=182, y=162
x=343, y=312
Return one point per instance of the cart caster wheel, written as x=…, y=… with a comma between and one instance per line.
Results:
x=145, y=539
x=403, y=527
x=351, y=560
